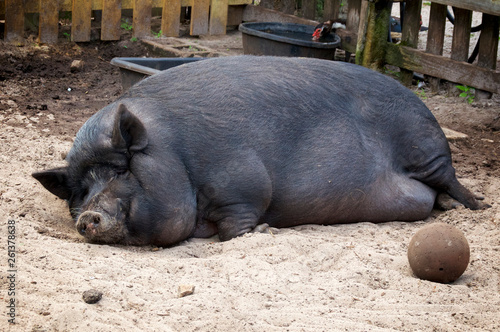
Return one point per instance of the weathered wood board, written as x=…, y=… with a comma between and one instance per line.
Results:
x=141, y=21
x=170, y=23
x=437, y=25
x=485, y=6
x=14, y=26
x=48, y=26
x=488, y=46
x=461, y=34
x=111, y=17
x=218, y=17
x=81, y=19
x=199, y=17
x=435, y=37
x=410, y=32
x=445, y=68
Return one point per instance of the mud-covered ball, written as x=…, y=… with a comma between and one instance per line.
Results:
x=439, y=252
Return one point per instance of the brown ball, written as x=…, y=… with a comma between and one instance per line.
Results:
x=439, y=252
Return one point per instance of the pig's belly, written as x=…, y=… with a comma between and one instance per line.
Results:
x=389, y=197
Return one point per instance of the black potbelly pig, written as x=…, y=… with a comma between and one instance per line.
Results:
x=222, y=145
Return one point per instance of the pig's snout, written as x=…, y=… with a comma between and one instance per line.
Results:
x=88, y=223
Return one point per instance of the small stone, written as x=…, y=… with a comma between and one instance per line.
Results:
x=185, y=290
x=452, y=135
x=76, y=66
x=92, y=296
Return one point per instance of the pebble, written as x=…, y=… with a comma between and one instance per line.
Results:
x=92, y=296
x=76, y=66
x=185, y=290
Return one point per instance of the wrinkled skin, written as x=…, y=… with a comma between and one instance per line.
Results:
x=223, y=145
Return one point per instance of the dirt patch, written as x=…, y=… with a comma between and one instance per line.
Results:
x=345, y=277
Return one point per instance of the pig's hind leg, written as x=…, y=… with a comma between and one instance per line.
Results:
x=439, y=174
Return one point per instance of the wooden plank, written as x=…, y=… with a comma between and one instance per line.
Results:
x=461, y=34
x=491, y=7
x=437, y=25
x=199, y=17
x=442, y=67
x=409, y=33
x=14, y=21
x=488, y=45
x=141, y=21
x=111, y=18
x=435, y=37
x=411, y=26
x=218, y=17
x=81, y=19
x=488, y=48
x=171, y=15
x=48, y=26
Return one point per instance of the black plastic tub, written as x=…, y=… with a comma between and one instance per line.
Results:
x=286, y=39
x=133, y=70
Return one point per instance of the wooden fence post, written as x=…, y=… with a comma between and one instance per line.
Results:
x=111, y=17
x=461, y=34
x=48, y=26
x=409, y=33
x=80, y=20
x=199, y=17
x=170, y=18
x=14, y=26
x=142, y=18
x=218, y=17
x=488, y=48
x=435, y=38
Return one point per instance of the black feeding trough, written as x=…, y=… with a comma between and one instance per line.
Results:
x=135, y=69
x=287, y=39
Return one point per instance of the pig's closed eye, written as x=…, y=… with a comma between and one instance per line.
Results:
x=121, y=171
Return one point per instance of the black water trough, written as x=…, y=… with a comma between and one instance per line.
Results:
x=286, y=39
x=133, y=70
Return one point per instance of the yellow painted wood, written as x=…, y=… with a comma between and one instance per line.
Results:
x=170, y=21
x=48, y=26
x=199, y=17
x=218, y=17
x=81, y=18
x=111, y=17
x=142, y=18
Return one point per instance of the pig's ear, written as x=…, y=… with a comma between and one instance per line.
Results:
x=56, y=181
x=128, y=131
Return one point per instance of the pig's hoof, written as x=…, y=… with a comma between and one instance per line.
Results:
x=483, y=206
x=445, y=202
x=264, y=228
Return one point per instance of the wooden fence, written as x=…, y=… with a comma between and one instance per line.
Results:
x=366, y=33
x=374, y=51
x=207, y=16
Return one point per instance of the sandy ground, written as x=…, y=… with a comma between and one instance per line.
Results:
x=310, y=278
